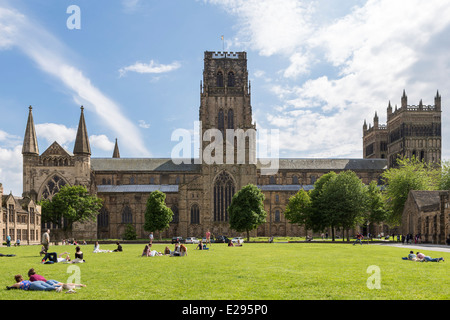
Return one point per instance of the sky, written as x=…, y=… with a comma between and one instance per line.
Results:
x=318, y=69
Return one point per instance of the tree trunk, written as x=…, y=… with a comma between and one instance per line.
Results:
x=248, y=236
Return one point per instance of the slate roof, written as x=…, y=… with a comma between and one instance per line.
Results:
x=329, y=164
x=278, y=187
x=144, y=188
x=166, y=164
x=426, y=200
x=142, y=164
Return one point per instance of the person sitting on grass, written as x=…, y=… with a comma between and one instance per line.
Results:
x=230, y=244
x=97, y=248
x=78, y=256
x=201, y=246
x=167, y=251
x=183, y=250
x=119, y=247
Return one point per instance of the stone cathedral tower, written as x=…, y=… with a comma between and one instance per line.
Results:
x=226, y=124
x=410, y=131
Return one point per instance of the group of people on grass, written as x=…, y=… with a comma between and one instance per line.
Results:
x=180, y=250
x=421, y=257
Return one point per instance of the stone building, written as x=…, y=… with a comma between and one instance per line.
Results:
x=197, y=190
x=409, y=131
x=20, y=218
x=427, y=213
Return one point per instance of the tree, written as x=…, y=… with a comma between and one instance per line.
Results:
x=71, y=204
x=444, y=176
x=157, y=215
x=246, y=210
x=344, y=201
x=411, y=174
x=376, y=211
x=130, y=232
x=298, y=209
x=317, y=220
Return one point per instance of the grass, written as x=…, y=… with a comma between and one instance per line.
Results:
x=256, y=271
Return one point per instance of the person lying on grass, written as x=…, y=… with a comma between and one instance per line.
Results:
x=424, y=258
x=49, y=285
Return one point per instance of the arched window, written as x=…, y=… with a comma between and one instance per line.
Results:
x=127, y=215
x=230, y=119
x=295, y=180
x=231, y=79
x=277, y=216
x=103, y=218
x=220, y=79
x=52, y=187
x=272, y=180
x=176, y=215
x=223, y=192
x=220, y=120
x=195, y=214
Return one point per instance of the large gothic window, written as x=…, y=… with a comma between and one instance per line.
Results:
x=223, y=192
x=220, y=120
x=230, y=79
x=195, y=214
x=52, y=187
x=103, y=218
x=230, y=119
x=176, y=215
x=127, y=215
x=220, y=79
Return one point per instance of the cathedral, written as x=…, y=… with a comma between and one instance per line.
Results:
x=200, y=191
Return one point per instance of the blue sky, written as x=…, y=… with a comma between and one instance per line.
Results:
x=317, y=68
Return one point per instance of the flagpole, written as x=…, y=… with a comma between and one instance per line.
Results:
x=223, y=45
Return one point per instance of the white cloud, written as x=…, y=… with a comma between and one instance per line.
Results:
x=101, y=142
x=51, y=57
x=151, y=67
x=56, y=132
x=11, y=169
x=357, y=61
x=143, y=124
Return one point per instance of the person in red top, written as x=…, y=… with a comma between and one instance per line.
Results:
x=34, y=276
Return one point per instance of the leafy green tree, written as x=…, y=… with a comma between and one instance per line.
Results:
x=344, y=201
x=246, y=210
x=298, y=209
x=130, y=232
x=157, y=215
x=444, y=176
x=410, y=174
x=376, y=210
x=71, y=204
x=317, y=220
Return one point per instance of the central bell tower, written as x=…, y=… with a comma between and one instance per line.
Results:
x=228, y=147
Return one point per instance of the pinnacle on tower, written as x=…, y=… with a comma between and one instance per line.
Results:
x=404, y=100
x=30, y=144
x=116, y=153
x=82, y=146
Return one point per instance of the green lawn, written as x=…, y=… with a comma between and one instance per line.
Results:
x=256, y=271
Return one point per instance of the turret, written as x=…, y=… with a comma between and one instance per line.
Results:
x=375, y=121
x=30, y=155
x=116, y=153
x=82, y=154
x=437, y=101
x=82, y=146
x=30, y=144
x=404, y=100
x=389, y=111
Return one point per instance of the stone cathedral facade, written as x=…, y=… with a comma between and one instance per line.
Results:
x=198, y=192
